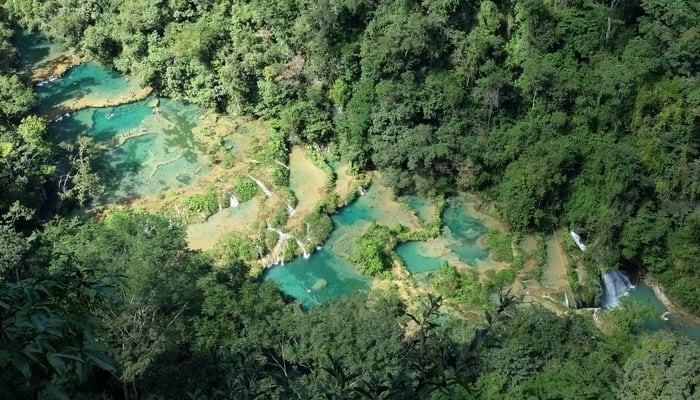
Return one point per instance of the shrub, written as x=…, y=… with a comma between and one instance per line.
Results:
x=244, y=188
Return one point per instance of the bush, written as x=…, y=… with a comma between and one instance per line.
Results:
x=318, y=226
x=500, y=246
x=461, y=288
x=205, y=204
x=371, y=252
x=244, y=188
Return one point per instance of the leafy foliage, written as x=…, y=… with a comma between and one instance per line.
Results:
x=244, y=188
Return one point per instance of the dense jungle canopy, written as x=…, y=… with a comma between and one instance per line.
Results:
x=565, y=113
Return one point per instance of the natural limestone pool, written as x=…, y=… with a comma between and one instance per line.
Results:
x=149, y=147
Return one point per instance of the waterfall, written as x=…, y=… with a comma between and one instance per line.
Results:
x=566, y=300
x=361, y=190
x=233, y=201
x=261, y=186
x=577, y=240
x=615, y=284
x=281, y=163
x=282, y=235
x=303, y=249
x=290, y=209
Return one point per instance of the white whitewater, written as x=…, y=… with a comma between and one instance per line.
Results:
x=261, y=185
x=233, y=201
x=615, y=284
x=282, y=164
x=290, y=209
x=578, y=241
x=284, y=236
x=566, y=300
x=303, y=249
x=361, y=190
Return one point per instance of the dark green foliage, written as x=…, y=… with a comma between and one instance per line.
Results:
x=531, y=353
x=665, y=366
x=244, y=188
x=567, y=113
x=49, y=336
x=463, y=288
x=372, y=251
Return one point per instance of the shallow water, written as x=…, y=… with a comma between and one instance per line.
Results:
x=554, y=273
x=34, y=48
x=297, y=278
x=149, y=149
x=326, y=274
x=87, y=83
x=464, y=230
x=416, y=256
x=205, y=235
x=322, y=277
x=458, y=242
x=424, y=208
x=645, y=294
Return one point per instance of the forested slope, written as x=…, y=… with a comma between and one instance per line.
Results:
x=580, y=114
x=573, y=114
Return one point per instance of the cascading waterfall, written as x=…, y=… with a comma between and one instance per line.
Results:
x=284, y=236
x=361, y=190
x=615, y=284
x=261, y=185
x=290, y=209
x=282, y=164
x=303, y=249
x=233, y=201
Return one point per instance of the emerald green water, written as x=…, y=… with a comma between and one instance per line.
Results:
x=423, y=207
x=34, y=48
x=414, y=257
x=86, y=82
x=303, y=278
x=644, y=294
x=149, y=144
x=461, y=231
x=464, y=231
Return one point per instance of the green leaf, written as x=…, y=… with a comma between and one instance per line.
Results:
x=53, y=393
x=101, y=360
x=56, y=362
x=39, y=323
x=70, y=357
x=81, y=369
x=21, y=363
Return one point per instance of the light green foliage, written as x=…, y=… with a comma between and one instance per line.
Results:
x=371, y=253
x=317, y=226
x=244, y=188
x=321, y=162
x=462, y=288
x=500, y=245
x=202, y=205
x=237, y=248
x=16, y=99
x=499, y=281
